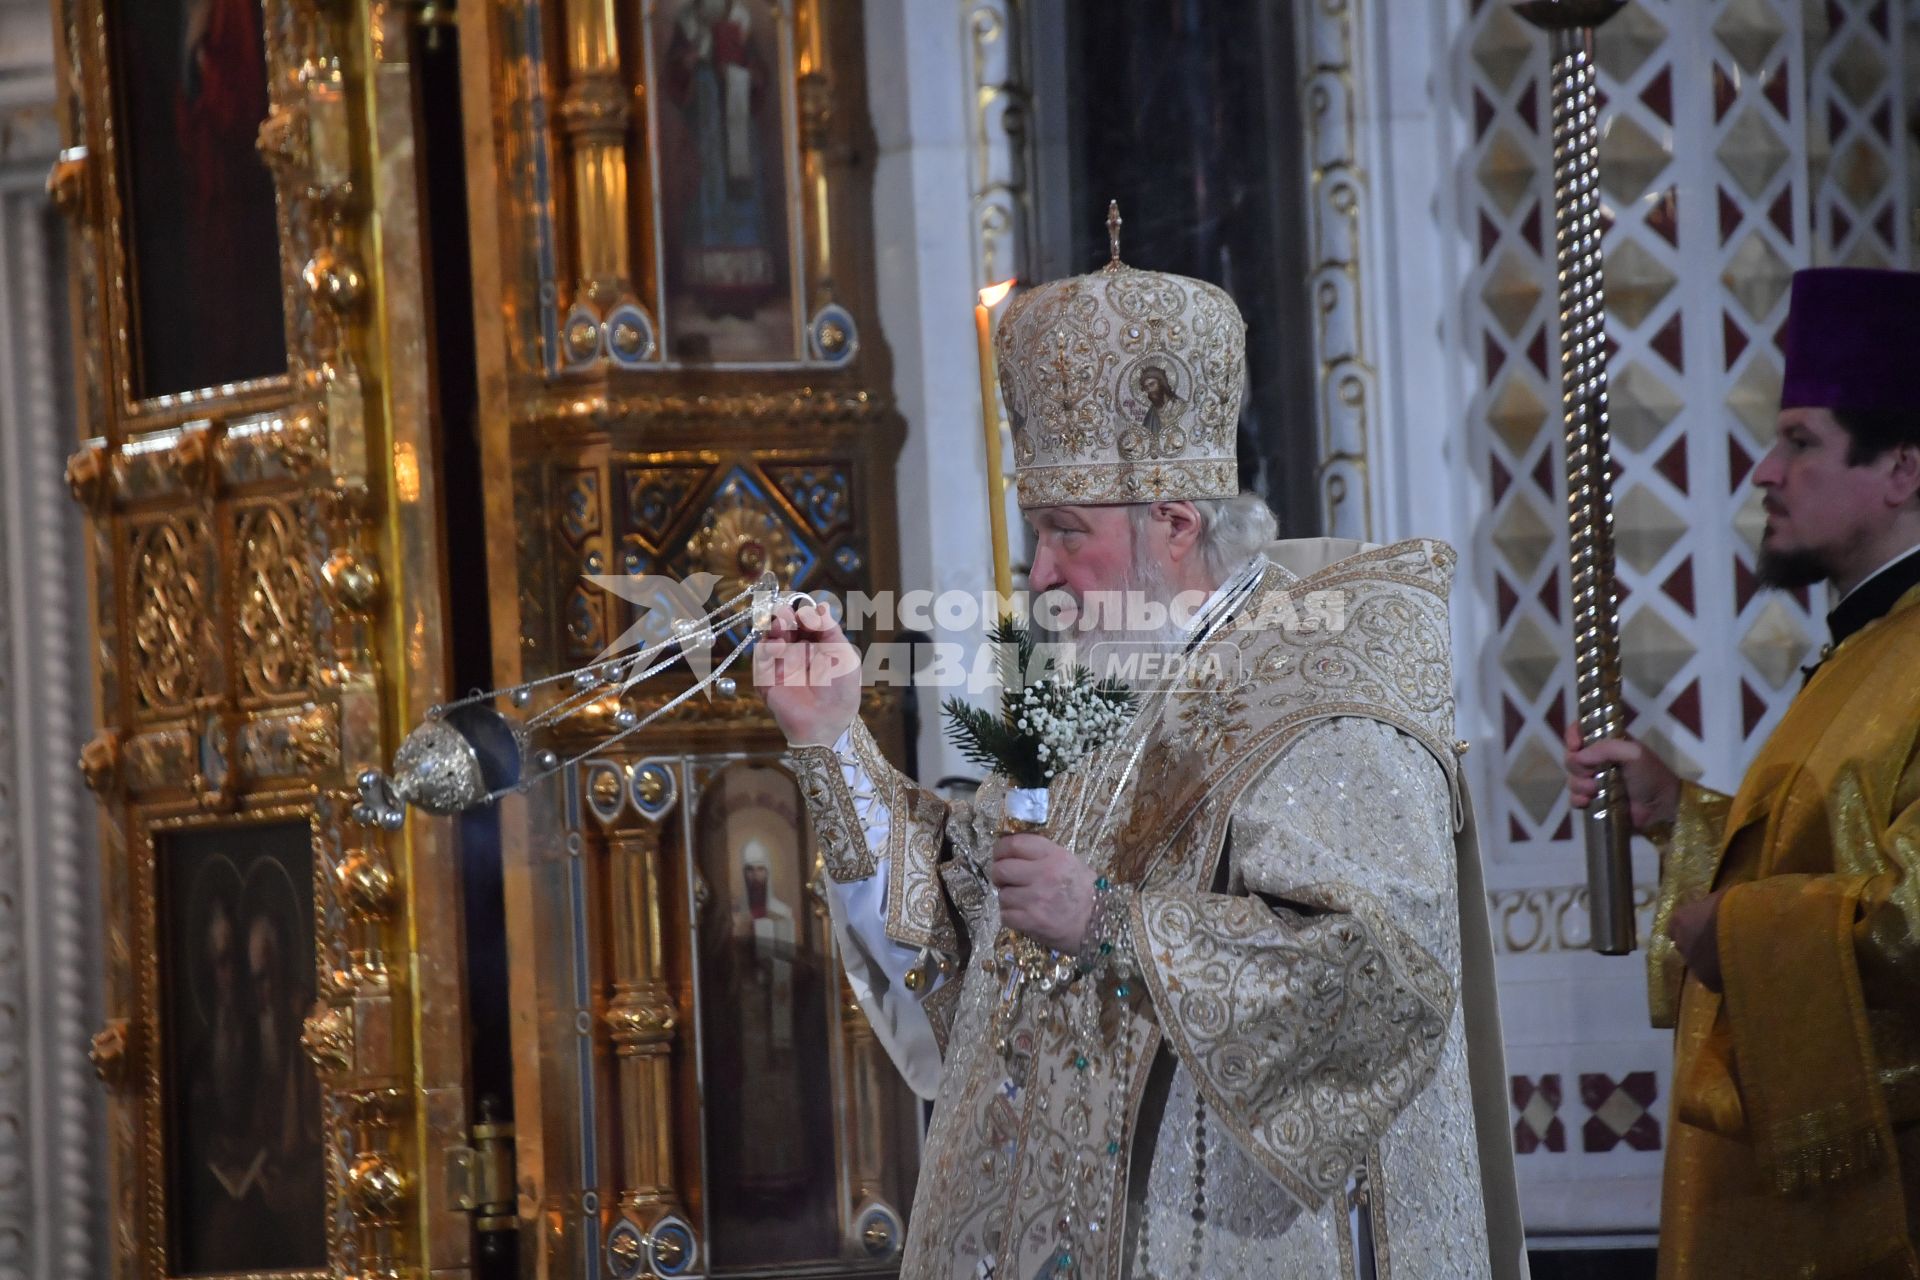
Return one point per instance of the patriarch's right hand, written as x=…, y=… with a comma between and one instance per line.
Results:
x=809, y=674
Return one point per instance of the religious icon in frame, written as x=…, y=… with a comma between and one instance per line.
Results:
x=201, y=225
x=246, y=1176
x=724, y=147
x=768, y=985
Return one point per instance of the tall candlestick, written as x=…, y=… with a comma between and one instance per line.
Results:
x=990, y=297
x=1583, y=395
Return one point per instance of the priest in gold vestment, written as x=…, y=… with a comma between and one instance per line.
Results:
x=1276, y=1050
x=1786, y=952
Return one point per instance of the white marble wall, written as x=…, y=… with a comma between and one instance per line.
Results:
x=917, y=73
x=52, y=1203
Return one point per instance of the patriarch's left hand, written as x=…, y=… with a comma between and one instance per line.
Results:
x=1045, y=892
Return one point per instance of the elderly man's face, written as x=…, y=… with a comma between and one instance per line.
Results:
x=1082, y=550
x=1094, y=556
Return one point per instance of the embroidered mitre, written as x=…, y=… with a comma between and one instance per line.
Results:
x=1122, y=386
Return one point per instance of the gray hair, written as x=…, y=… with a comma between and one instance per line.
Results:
x=1231, y=529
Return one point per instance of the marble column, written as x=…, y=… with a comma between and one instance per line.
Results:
x=52, y=1210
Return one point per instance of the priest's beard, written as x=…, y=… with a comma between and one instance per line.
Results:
x=1786, y=570
x=1105, y=650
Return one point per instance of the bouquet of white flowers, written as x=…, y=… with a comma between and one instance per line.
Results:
x=1050, y=714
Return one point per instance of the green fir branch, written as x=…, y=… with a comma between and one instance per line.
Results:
x=997, y=742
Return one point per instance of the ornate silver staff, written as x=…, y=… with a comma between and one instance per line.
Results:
x=1569, y=25
x=470, y=752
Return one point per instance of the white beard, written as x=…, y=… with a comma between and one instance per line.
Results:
x=1145, y=583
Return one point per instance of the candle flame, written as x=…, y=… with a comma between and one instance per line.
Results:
x=991, y=295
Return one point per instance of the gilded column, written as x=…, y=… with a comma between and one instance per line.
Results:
x=644, y=1021
x=594, y=117
x=816, y=118
x=874, y=1228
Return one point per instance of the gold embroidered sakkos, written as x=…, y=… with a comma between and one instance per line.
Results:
x=1296, y=1023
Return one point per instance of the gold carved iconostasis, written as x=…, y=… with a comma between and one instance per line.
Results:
x=396, y=323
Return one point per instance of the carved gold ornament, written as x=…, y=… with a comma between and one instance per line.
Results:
x=174, y=641
x=108, y=1052
x=365, y=883
x=640, y=1022
x=741, y=538
x=375, y=1189
x=276, y=595
x=328, y=1039
x=282, y=141
x=67, y=185
x=625, y=1249
x=90, y=477
x=351, y=581
x=606, y=788
x=100, y=761
x=335, y=281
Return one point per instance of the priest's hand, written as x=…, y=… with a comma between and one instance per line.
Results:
x=1045, y=892
x=1695, y=930
x=1653, y=790
x=809, y=673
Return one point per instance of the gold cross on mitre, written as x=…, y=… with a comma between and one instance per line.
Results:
x=1113, y=236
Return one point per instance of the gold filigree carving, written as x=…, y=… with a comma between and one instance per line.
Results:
x=207, y=599
x=625, y=1250
x=268, y=448
x=816, y=110
x=602, y=410
x=313, y=741
x=595, y=108
x=175, y=646
x=189, y=464
x=275, y=604
x=651, y=783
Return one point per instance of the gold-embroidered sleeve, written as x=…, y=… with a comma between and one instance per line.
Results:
x=1888, y=935
x=881, y=839
x=1689, y=856
x=1311, y=1002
